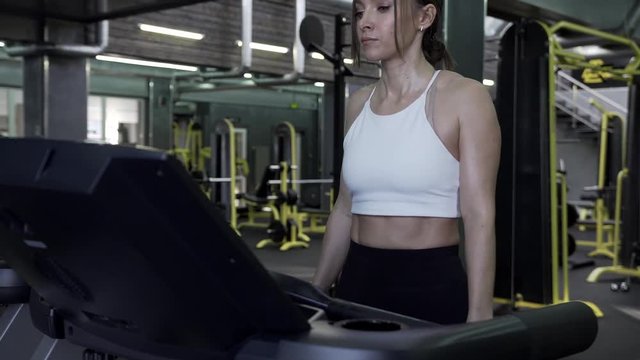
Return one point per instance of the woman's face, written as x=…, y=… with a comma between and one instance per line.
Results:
x=375, y=23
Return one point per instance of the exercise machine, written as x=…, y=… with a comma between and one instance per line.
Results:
x=611, y=161
x=122, y=269
x=626, y=251
x=529, y=231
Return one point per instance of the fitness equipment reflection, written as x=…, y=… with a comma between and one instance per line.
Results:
x=612, y=149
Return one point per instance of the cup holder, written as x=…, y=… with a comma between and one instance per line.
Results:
x=369, y=325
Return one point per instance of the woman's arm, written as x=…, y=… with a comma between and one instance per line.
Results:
x=337, y=237
x=479, y=159
x=335, y=242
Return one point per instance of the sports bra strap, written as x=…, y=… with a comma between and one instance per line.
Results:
x=426, y=90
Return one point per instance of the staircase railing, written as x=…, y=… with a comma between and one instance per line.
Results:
x=573, y=97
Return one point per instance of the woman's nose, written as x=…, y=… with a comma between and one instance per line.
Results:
x=366, y=21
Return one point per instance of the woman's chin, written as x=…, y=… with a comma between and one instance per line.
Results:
x=371, y=57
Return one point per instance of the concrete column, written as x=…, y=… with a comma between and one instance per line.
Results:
x=463, y=29
x=55, y=97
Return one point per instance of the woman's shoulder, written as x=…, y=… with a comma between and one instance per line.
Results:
x=360, y=96
x=466, y=97
x=356, y=103
x=458, y=86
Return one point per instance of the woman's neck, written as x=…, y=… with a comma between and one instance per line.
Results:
x=406, y=75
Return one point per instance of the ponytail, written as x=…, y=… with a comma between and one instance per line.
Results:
x=435, y=51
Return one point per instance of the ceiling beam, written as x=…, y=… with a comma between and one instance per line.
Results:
x=512, y=10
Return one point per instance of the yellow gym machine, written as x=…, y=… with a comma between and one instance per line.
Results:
x=228, y=170
x=285, y=230
x=311, y=220
x=616, y=268
x=560, y=58
x=547, y=48
x=572, y=60
x=611, y=248
x=260, y=206
x=602, y=222
x=187, y=145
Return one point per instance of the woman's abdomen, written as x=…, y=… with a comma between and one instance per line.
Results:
x=406, y=232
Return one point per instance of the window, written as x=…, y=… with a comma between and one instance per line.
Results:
x=115, y=120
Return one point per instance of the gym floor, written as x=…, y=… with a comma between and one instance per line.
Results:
x=619, y=329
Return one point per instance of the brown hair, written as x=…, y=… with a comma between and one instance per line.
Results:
x=433, y=49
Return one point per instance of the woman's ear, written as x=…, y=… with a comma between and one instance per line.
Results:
x=426, y=16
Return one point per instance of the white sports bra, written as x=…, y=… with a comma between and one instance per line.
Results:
x=396, y=165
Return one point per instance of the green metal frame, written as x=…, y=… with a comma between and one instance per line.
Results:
x=232, y=173
x=573, y=60
x=601, y=212
x=560, y=58
x=616, y=267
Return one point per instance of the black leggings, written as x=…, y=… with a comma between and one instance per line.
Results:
x=428, y=284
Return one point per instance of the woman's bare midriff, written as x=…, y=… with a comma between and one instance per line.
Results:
x=406, y=232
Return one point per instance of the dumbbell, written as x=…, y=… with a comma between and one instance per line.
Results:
x=622, y=286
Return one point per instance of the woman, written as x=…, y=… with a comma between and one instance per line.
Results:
x=421, y=151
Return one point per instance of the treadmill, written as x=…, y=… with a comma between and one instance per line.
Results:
x=127, y=258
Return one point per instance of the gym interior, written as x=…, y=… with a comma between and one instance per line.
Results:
x=167, y=168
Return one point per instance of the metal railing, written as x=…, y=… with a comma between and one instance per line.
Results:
x=593, y=94
x=574, y=98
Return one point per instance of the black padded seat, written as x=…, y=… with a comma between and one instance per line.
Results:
x=255, y=199
x=13, y=290
x=262, y=194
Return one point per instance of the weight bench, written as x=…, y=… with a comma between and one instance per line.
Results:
x=260, y=199
x=129, y=258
